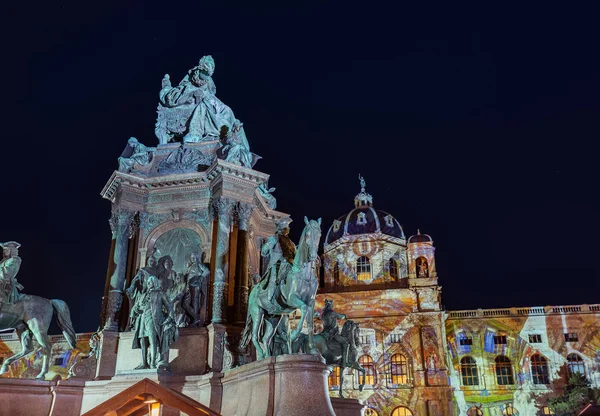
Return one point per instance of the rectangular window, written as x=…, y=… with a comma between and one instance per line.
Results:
x=535, y=338
x=466, y=341
x=365, y=339
x=499, y=339
x=59, y=361
x=571, y=337
x=395, y=338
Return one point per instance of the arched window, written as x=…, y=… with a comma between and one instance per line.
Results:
x=393, y=268
x=468, y=372
x=399, y=369
x=363, y=268
x=510, y=410
x=546, y=411
x=575, y=364
x=402, y=411
x=334, y=378
x=539, y=370
x=504, y=373
x=371, y=375
x=474, y=411
x=422, y=267
x=336, y=272
x=370, y=412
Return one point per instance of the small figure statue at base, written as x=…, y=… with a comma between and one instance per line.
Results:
x=139, y=156
x=155, y=330
x=197, y=275
x=331, y=331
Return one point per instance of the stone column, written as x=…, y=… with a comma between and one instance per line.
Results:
x=244, y=211
x=122, y=227
x=223, y=208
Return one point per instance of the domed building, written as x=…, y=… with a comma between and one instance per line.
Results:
x=388, y=284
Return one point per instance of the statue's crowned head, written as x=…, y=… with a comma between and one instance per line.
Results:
x=207, y=65
x=10, y=249
x=283, y=226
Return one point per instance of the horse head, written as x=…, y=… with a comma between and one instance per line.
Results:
x=309, y=242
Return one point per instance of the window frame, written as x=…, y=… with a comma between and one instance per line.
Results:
x=535, y=338
x=538, y=366
x=469, y=372
x=399, y=373
x=504, y=371
x=579, y=363
x=335, y=376
x=366, y=362
x=363, y=268
x=392, y=267
x=405, y=411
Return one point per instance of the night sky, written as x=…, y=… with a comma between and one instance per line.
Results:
x=478, y=126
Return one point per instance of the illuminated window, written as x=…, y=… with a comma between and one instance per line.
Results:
x=393, y=268
x=535, y=338
x=468, y=372
x=571, y=337
x=504, y=373
x=422, y=267
x=539, y=370
x=363, y=268
x=546, y=411
x=575, y=364
x=370, y=412
x=362, y=218
x=399, y=369
x=336, y=272
x=499, y=339
x=509, y=410
x=367, y=363
x=474, y=411
x=402, y=411
x=334, y=378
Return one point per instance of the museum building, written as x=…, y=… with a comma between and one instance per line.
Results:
x=423, y=360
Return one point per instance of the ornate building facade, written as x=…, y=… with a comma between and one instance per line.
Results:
x=422, y=360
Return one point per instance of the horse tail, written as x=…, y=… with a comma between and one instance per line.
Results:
x=247, y=334
x=64, y=320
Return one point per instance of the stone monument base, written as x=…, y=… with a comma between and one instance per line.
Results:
x=291, y=385
x=347, y=407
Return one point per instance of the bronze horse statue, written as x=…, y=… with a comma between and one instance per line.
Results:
x=297, y=290
x=31, y=317
x=332, y=350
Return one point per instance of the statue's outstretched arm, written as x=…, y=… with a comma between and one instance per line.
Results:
x=266, y=248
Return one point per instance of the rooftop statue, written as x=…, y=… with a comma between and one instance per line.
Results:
x=29, y=315
x=267, y=194
x=237, y=149
x=135, y=156
x=191, y=110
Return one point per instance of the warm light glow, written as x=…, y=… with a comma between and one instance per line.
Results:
x=155, y=409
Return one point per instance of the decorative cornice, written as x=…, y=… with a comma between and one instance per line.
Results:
x=219, y=166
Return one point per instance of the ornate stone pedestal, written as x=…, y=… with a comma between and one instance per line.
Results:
x=286, y=385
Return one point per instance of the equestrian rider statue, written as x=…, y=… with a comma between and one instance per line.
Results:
x=9, y=267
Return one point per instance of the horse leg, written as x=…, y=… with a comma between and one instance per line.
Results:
x=268, y=337
x=341, y=382
x=26, y=348
x=294, y=302
x=257, y=316
x=310, y=309
x=41, y=336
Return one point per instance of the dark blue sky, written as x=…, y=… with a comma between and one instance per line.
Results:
x=476, y=125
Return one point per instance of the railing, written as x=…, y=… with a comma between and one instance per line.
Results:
x=536, y=310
